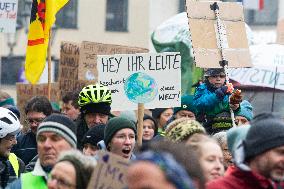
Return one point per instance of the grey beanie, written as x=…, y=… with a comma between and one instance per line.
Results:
x=61, y=125
x=266, y=132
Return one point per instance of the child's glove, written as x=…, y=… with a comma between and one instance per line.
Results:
x=236, y=97
x=226, y=89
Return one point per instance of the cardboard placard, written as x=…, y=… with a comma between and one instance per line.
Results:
x=27, y=91
x=109, y=173
x=162, y=68
x=204, y=34
x=280, y=32
x=88, y=57
x=8, y=15
x=77, y=67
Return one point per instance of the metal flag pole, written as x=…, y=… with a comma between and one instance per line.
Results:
x=221, y=41
x=273, y=94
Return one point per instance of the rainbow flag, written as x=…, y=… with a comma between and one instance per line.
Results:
x=42, y=18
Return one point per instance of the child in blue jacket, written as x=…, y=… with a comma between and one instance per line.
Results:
x=212, y=97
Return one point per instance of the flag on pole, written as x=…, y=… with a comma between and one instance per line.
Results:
x=253, y=4
x=42, y=18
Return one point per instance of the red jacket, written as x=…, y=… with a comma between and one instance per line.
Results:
x=238, y=179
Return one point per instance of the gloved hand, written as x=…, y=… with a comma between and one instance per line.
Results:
x=226, y=89
x=236, y=97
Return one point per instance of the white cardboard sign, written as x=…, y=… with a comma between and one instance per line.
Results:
x=163, y=68
x=8, y=15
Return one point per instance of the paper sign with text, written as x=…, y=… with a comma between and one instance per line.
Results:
x=162, y=68
x=8, y=16
x=110, y=172
x=263, y=76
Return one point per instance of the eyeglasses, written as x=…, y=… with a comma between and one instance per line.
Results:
x=221, y=76
x=35, y=120
x=61, y=183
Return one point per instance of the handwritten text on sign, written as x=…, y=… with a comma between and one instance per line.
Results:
x=259, y=76
x=164, y=68
x=8, y=15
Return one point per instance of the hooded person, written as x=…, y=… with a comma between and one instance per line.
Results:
x=150, y=128
x=245, y=114
x=187, y=109
x=120, y=137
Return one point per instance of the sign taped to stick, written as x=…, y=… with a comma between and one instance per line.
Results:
x=150, y=78
x=204, y=36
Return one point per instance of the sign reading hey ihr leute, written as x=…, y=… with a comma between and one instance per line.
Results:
x=8, y=15
x=164, y=68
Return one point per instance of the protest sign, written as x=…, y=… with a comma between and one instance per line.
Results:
x=205, y=39
x=8, y=16
x=78, y=68
x=263, y=76
x=158, y=71
x=88, y=57
x=27, y=91
x=109, y=173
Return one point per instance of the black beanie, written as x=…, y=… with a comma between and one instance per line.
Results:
x=266, y=132
x=94, y=135
x=116, y=124
x=61, y=125
x=101, y=107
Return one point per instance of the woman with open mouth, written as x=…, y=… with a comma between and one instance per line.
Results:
x=120, y=137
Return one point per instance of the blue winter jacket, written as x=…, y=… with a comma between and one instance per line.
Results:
x=207, y=102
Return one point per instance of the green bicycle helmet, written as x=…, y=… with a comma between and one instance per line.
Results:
x=94, y=94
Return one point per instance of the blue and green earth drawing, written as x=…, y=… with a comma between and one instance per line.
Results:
x=140, y=88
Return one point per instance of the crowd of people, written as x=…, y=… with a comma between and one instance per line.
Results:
x=195, y=146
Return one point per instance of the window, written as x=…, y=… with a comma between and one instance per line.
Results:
x=266, y=16
x=117, y=15
x=182, y=7
x=67, y=17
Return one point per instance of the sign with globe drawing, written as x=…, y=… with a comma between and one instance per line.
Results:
x=153, y=79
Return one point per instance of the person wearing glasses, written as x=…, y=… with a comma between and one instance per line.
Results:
x=212, y=98
x=72, y=170
x=10, y=165
x=36, y=110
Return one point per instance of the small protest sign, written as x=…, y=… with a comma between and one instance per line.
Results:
x=8, y=16
x=27, y=91
x=109, y=173
x=150, y=78
x=280, y=32
x=205, y=34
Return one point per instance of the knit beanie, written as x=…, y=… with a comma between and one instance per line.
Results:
x=101, y=107
x=94, y=135
x=245, y=110
x=235, y=135
x=61, y=125
x=266, y=132
x=181, y=129
x=116, y=124
x=186, y=104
